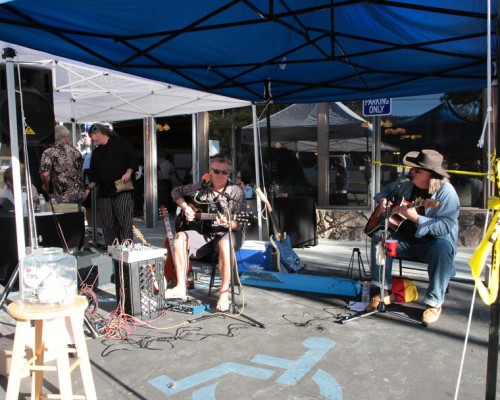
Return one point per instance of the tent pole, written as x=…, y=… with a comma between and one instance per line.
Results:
x=269, y=147
x=9, y=55
x=323, y=147
x=150, y=172
x=195, y=162
x=377, y=156
x=256, y=146
x=493, y=339
x=203, y=144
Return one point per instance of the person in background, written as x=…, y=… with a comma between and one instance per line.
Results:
x=113, y=159
x=168, y=175
x=85, y=147
x=139, y=190
x=86, y=150
x=239, y=181
x=476, y=185
x=194, y=244
x=341, y=177
x=8, y=189
x=62, y=166
x=367, y=172
x=428, y=235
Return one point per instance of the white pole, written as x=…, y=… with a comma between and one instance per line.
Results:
x=256, y=146
x=9, y=55
x=376, y=145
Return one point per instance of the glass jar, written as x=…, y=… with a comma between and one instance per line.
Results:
x=48, y=276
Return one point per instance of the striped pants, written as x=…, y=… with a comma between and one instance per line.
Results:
x=116, y=217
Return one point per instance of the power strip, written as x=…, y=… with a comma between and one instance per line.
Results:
x=187, y=307
x=135, y=252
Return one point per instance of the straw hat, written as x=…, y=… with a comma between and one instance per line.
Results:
x=427, y=159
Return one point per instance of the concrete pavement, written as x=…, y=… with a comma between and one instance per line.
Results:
x=303, y=352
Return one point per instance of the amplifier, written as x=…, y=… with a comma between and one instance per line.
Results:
x=143, y=287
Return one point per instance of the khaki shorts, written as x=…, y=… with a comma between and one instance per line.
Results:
x=201, y=245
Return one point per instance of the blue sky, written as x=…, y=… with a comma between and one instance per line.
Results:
x=411, y=106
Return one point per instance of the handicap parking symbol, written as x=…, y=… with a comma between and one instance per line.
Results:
x=295, y=370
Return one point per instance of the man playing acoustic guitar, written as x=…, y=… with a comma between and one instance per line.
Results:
x=428, y=234
x=197, y=239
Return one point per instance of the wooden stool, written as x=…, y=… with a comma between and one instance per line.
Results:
x=73, y=315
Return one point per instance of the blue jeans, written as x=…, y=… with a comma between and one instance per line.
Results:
x=438, y=254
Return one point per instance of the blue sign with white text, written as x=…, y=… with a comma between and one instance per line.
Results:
x=376, y=107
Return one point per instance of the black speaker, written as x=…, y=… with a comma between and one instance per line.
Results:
x=37, y=102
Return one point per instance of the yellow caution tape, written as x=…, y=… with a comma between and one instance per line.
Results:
x=450, y=171
x=478, y=260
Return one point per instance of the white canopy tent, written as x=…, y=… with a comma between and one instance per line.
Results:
x=84, y=93
x=353, y=145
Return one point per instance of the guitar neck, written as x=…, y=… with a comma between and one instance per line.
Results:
x=270, y=211
x=395, y=210
x=206, y=216
x=169, y=235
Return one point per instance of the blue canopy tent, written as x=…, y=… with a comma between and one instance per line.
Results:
x=441, y=127
x=263, y=50
x=288, y=51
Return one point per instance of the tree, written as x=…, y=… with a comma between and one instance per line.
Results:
x=466, y=103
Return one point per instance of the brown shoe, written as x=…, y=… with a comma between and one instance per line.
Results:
x=431, y=314
x=375, y=301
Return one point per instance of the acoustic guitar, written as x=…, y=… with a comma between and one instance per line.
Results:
x=205, y=217
x=169, y=267
x=288, y=260
x=377, y=219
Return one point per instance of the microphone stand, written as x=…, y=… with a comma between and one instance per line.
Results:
x=381, y=306
x=235, y=308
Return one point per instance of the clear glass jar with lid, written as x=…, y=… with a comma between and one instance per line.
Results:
x=48, y=276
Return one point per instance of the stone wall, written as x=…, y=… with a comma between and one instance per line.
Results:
x=346, y=225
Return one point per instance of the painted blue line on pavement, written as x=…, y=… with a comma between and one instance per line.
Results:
x=296, y=370
x=205, y=393
x=328, y=385
x=170, y=387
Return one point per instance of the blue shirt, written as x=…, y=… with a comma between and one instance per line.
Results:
x=441, y=221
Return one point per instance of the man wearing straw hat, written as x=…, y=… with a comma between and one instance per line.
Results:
x=428, y=234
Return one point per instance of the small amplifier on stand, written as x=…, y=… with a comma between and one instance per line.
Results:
x=143, y=278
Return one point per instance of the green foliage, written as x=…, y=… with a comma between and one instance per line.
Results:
x=466, y=103
x=222, y=122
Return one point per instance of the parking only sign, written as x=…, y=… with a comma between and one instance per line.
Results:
x=377, y=107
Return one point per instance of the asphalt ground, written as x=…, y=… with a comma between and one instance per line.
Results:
x=303, y=350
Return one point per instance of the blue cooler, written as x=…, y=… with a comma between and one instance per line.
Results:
x=254, y=255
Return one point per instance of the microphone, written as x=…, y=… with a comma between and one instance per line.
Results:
x=401, y=182
x=205, y=180
x=405, y=180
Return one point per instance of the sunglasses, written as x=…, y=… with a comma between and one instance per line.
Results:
x=418, y=170
x=221, y=171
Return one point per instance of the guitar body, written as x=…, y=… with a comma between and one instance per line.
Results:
x=205, y=215
x=200, y=225
x=377, y=219
x=289, y=261
x=169, y=267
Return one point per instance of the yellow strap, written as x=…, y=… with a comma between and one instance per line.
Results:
x=490, y=241
x=451, y=171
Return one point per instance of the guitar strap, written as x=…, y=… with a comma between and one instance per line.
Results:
x=216, y=198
